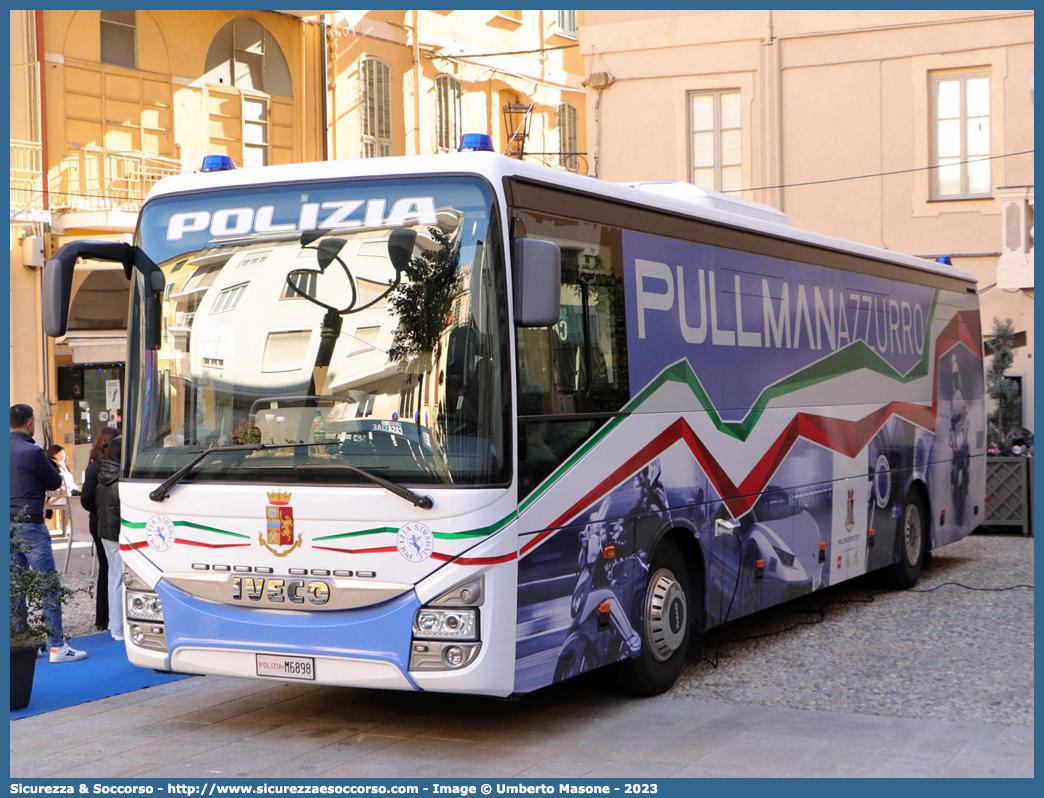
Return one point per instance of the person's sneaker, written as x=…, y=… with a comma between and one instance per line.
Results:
x=66, y=653
x=117, y=636
x=40, y=651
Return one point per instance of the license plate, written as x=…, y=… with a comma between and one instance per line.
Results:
x=286, y=667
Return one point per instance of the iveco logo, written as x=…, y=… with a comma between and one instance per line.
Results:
x=279, y=591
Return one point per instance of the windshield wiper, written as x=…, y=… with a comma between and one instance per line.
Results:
x=424, y=502
x=158, y=495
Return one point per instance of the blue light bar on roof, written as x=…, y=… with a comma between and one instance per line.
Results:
x=945, y=260
x=471, y=142
x=217, y=163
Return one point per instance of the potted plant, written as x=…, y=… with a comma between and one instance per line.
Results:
x=1002, y=390
x=41, y=592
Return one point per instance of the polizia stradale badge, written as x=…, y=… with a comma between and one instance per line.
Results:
x=279, y=536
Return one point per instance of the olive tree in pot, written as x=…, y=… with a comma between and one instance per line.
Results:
x=33, y=593
x=1002, y=390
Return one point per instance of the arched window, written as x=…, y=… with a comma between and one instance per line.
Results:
x=100, y=302
x=568, y=136
x=447, y=112
x=246, y=72
x=245, y=55
x=375, y=75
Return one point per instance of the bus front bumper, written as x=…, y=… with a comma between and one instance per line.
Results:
x=363, y=647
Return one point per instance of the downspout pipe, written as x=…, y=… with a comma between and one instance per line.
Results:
x=416, y=82
x=324, y=48
x=42, y=86
x=45, y=170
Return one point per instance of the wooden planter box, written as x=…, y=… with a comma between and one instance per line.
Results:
x=1009, y=493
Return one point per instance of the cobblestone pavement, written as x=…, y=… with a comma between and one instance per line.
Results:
x=939, y=652
x=936, y=683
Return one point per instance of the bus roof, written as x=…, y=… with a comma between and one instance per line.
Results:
x=709, y=207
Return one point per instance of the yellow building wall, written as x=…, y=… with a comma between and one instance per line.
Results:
x=165, y=107
x=493, y=55
x=24, y=343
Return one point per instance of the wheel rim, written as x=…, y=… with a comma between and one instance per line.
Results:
x=912, y=533
x=666, y=615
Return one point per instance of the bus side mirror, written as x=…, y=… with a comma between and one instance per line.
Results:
x=56, y=290
x=537, y=269
x=153, y=283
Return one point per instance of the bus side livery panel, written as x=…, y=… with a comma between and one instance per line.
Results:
x=782, y=416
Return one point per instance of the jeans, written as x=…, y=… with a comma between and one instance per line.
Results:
x=112, y=554
x=40, y=557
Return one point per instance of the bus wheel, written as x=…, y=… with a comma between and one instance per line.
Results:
x=666, y=628
x=912, y=543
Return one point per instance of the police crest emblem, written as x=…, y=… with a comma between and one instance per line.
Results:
x=279, y=536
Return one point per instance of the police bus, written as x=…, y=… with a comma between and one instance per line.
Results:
x=463, y=423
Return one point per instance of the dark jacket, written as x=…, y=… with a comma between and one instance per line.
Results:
x=89, y=494
x=32, y=475
x=108, y=500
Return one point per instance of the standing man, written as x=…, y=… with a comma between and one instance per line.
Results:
x=32, y=476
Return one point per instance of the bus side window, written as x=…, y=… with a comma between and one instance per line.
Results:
x=573, y=373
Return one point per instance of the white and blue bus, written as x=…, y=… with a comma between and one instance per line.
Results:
x=462, y=423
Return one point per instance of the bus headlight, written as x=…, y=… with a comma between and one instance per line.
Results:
x=446, y=624
x=144, y=606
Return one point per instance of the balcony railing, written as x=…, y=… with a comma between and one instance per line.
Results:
x=26, y=186
x=87, y=180
x=102, y=180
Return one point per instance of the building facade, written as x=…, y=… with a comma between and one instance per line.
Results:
x=106, y=103
x=412, y=82
x=906, y=130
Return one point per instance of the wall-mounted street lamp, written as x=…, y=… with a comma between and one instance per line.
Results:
x=517, y=118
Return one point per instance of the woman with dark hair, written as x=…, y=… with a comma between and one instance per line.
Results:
x=89, y=502
x=108, y=503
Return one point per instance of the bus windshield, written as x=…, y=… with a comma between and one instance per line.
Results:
x=364, y=321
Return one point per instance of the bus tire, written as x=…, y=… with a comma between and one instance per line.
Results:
x=666, y=627
x=912, y=543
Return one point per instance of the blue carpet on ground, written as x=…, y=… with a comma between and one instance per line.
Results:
x=106, y=672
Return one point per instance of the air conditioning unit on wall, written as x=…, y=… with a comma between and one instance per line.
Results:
x=33, y=252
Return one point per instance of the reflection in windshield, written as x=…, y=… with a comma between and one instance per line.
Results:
x=382, y=341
